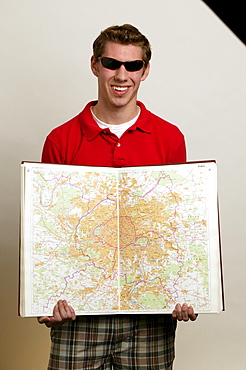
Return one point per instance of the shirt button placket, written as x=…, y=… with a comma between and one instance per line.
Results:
x=118, y=154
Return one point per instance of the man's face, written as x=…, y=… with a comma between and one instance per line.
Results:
x=118, y=88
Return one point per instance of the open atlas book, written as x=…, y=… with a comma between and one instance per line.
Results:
x=119, y=240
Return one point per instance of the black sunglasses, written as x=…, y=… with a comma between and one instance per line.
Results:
x=132, y=66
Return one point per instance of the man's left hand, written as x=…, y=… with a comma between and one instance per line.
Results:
x=184, y=313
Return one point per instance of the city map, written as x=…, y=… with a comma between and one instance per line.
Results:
x=119, y=240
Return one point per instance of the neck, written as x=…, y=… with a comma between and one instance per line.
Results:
x=116, y=115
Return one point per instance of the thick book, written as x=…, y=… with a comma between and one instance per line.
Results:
x=120, y=240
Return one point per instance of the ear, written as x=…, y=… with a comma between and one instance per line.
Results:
x=146, y=72
x=94, y=66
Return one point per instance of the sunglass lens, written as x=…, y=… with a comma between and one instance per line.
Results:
x=110, y=63
x=133, y=66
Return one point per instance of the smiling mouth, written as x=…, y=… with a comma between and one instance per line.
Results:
x=120, y=88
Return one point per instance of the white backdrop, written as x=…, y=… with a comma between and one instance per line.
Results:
x=197, y=81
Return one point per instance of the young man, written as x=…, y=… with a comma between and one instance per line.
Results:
x=116, y=130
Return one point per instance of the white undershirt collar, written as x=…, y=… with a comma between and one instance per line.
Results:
x=118, y=130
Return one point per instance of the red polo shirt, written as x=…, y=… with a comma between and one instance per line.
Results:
x=80, y=141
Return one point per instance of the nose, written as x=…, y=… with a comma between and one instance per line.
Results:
x=121, y=73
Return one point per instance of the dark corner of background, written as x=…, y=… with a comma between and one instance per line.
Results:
x=232, y=13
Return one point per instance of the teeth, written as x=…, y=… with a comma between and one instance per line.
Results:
x=120, y=88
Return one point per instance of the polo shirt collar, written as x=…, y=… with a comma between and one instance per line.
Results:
x=90, y=128
x=143, y=123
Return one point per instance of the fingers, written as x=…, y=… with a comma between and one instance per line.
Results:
x=191, y=314
x=43, y=319
x=184, y=313
x=180, y=312
x=62, y=312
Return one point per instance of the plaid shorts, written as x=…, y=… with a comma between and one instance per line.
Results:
x=137, y=342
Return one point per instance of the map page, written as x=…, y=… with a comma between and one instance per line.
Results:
x=128, y=240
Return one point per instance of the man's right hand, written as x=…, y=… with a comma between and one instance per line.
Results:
x=62, y=313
